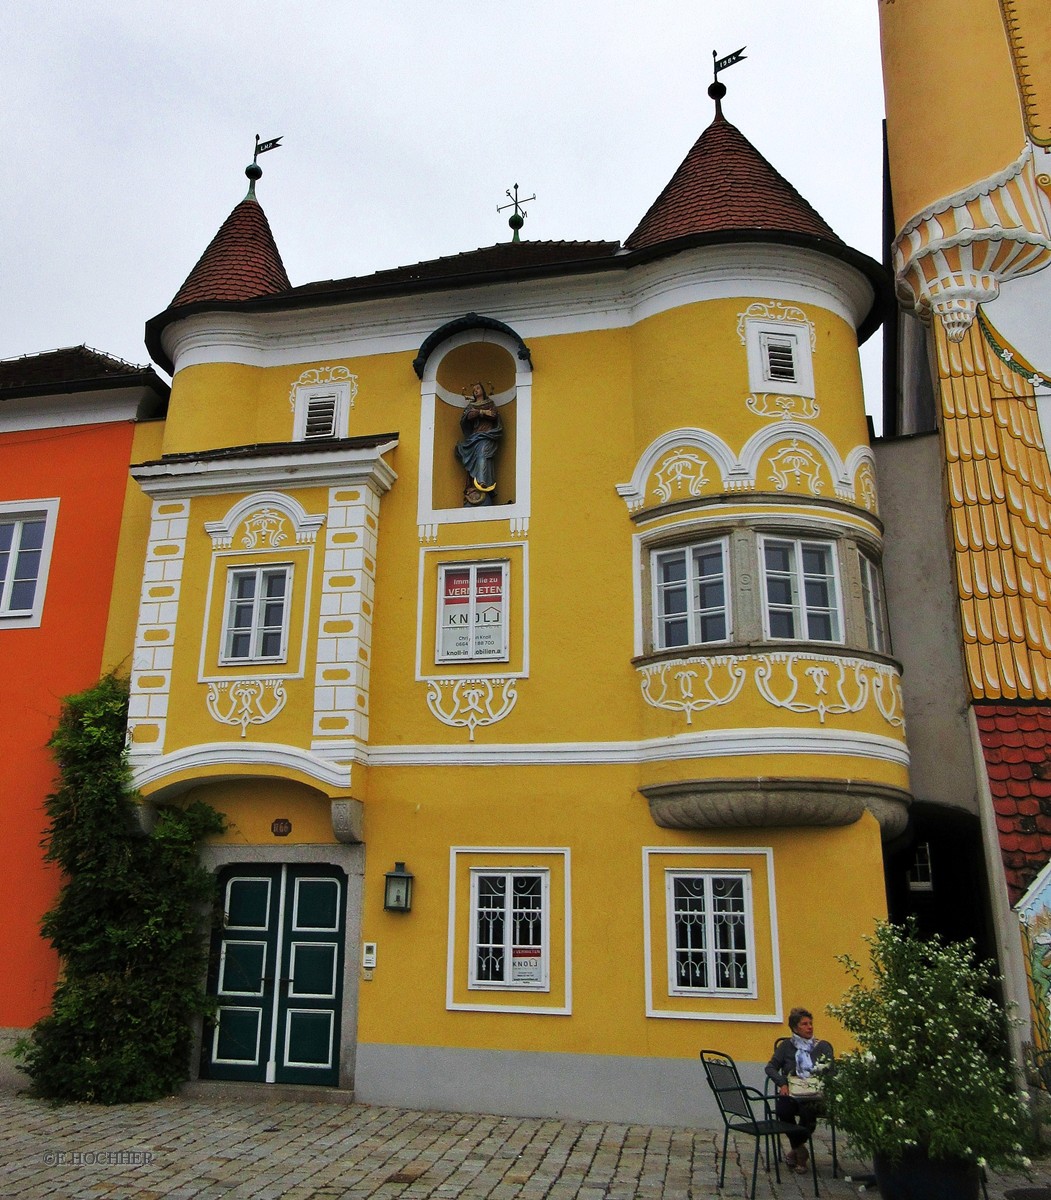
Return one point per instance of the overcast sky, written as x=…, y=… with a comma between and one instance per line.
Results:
x=128, y=127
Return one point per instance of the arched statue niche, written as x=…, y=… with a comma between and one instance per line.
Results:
x=475, y=428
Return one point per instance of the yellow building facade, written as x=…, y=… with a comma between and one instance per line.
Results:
x=595, y=652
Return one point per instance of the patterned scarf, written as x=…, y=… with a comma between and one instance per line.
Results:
x=804, y=1055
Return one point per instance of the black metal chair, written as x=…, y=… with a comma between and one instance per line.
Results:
x=770, y=1090
x=737, y=1106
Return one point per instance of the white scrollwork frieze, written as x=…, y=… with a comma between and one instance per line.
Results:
x=246, y=702
x=267, y=519
x=813, y=695
x=690, y=685
x=865, y=486
x=799, y=463
x=783, y=408
x=264, y=528
x=680, y=472
x=319, y=376
x=886, y=691
x=822, y=685
x=830, y=686
x=471, y=703
x=775, y=310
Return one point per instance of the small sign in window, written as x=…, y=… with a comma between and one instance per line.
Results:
x=527, y=964
x=472, y=612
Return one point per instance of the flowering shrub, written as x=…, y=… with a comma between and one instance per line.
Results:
x=928, y=1072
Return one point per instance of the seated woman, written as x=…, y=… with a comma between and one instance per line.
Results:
x=794, y=1060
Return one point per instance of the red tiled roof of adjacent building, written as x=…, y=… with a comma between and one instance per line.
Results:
x=72, y=369
x=1016, y=743
x=241, y=262
x=725, y=184
x=74, y=364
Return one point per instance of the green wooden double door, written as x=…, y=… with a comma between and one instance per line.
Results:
x=276, y=974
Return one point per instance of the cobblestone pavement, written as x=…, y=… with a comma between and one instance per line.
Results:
x=194, y=1149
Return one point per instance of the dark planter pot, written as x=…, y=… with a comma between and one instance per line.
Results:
x=916, y=1177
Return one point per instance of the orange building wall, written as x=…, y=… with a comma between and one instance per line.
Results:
x=87, y=468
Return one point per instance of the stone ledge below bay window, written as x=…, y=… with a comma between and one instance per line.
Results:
x=751, y=803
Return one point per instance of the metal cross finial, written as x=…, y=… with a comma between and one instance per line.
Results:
x=517, y=219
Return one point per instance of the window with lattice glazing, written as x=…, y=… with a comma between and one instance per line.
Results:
x=710, y=933
x=509, y=939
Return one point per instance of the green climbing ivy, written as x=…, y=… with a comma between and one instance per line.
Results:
x=128, y=923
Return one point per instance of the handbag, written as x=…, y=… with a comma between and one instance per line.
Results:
x=803, y=1089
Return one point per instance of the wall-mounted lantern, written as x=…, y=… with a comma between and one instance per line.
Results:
x=397, y=889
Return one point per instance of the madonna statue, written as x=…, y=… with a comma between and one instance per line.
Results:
x=482, y=430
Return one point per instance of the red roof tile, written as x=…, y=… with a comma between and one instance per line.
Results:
x=1015, y=740
x=241, y=262
x=725, y=184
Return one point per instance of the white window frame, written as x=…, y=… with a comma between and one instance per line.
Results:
x=764, y=337
x=802, y=612
x=502, y=652
x=710, y=949
x=542, y=983
x=309, y=397
x=876, y=635
x=694, y=613
x=17, y=513
x=260, y=571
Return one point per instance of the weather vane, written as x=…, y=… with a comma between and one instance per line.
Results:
x=254, y=171
x=263, y=147
x=716, y=89
x=720, y=64
x=517, y=219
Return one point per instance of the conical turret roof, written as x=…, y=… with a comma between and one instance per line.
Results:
x=241, y=262
x=725, y=184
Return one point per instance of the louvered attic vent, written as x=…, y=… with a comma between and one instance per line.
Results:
x=780, y=359
x=321, y=416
